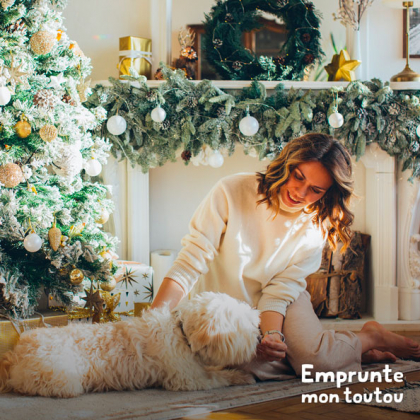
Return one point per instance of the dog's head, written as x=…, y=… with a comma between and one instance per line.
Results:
x=220, y=329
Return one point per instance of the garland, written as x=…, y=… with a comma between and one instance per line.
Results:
x=229, y=19
x=202, y=114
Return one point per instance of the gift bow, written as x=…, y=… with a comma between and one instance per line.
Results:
x=135, y=54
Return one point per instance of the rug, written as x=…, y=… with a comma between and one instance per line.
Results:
x=410, y=401
x=157, y=404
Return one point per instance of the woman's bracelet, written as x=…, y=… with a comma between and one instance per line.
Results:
x=269, y=332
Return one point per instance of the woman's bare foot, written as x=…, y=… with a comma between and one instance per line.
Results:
x=377, y=356
x=374, y=336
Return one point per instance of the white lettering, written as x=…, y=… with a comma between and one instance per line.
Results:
x=312, y=398
x=398, y=377
x=341, y=378
x=307, y=379
x=325, y=376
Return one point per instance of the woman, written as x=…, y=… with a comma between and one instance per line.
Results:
x=258, y=236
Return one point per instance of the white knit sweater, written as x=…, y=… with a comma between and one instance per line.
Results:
x=239, y=249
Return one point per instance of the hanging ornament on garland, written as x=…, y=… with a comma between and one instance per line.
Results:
x=48, y=133
x=54, y=237
x=336, y=120
x=5, y=95
x=418, y=131
x=248, y=125
x=93, y=167
x=42, y=42
x=103, y=218
x=158, y=114
x=11, y=175
x=116, y=125
x=23, y=129
x=216, y=160
x=76, y=276
x=32, y=242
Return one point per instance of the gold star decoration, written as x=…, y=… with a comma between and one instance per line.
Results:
x=93, y=300
x=149, y=291
x=82, y=88
x=341, y=67
x=145, y=276
x=111, y=302
x=128, y=277
x=15, y=72
x=136, y=293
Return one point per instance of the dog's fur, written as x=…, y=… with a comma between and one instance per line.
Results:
x=189, y=348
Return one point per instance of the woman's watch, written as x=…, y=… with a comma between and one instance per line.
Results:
x=269, y=332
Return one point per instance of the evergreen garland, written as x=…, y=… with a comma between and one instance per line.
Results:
x=202, y=114
x=229, y=19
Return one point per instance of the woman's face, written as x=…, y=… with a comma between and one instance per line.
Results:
x=307, y=183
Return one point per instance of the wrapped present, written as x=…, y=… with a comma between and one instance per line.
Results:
x=135, y=285
x=10, y=329
x=137, y=53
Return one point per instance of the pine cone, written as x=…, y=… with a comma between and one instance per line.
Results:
x=45, y=99
x=67, y=99
x=151, y=96
x=279, y=61
x=186, y=155
x=165, y=124
x=17, y=28
x=309, y=58
x=192, y=102
x=306, y=38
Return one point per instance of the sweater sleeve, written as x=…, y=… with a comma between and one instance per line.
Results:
x=201, y=245
x=285, y=287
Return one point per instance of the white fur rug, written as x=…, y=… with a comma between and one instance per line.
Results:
x=155, y=404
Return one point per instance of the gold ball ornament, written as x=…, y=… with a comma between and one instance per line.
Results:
x=48, y=133
x=103, y=218
x=23, y=129
x=109, y=285
x=7, y=3
x=43, y=42
x=11, y=175
x=76, y=276
x=74, y=46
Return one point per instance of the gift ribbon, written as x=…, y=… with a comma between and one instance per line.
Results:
x=135, y=54
x=19, y=322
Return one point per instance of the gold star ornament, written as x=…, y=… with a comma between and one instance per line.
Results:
x=341, y=67
x=93, y=300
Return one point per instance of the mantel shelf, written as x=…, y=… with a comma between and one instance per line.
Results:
x=240, y=84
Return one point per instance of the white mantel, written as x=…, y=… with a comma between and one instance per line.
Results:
x=392, y=216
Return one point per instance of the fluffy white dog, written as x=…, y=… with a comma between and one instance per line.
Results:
x=189, y=348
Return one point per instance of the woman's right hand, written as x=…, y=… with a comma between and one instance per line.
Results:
x=271, y=348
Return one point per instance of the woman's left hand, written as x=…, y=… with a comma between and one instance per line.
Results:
x=271, y=348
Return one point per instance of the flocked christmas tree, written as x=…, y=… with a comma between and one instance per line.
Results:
x=51, y=213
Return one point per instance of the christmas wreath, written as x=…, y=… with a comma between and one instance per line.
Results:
x=228, y=20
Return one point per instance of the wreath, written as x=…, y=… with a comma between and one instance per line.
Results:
x=228, y=20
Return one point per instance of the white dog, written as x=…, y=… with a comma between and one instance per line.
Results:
x=189, y=348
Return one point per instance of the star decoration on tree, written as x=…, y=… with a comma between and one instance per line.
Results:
x=15, y=72
x=128, y=277
x=341, y=67
x=56, y=81
x=93, y=300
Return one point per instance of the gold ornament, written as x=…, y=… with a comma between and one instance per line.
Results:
x=15, y=72
x=11, y=175
x=109, y=286
x=103, y=218
x=54, y=237
x=82, y=88
x=7, y=3
x=23, y=129
x=76, y=276
x=93, y=300
x=111, y=302
x=74, y=46
x=341, y=67
x=48, y=133
x=42, y=42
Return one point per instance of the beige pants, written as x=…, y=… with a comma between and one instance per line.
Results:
x=308, y=343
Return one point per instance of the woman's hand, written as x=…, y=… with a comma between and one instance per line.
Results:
x=271, y=348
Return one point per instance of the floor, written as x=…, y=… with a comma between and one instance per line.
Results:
x=294, y=409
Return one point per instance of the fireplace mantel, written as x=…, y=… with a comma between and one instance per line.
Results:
x=392, y=216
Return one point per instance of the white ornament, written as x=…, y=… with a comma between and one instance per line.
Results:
x=32, y=242
x=418, y=130
x=103, y=218
x=158, y=114
x=116, y=125
x=93, y=167
x=5, y=95
x=56, y=81
x=216, y=159
x=70, y=162
x=249, y=126
x=336, y=120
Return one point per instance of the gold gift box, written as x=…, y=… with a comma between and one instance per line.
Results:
x=137, y=53
x=9, y=336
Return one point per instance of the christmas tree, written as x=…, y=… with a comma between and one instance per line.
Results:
x=51, y=211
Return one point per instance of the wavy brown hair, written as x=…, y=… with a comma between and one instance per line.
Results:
x=334, y=204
